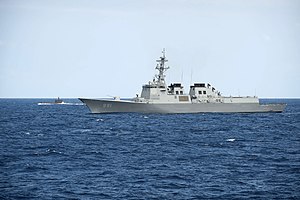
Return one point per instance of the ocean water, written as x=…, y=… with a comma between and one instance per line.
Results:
x=64, y=152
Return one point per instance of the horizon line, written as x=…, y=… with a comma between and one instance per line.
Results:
x=126, y=97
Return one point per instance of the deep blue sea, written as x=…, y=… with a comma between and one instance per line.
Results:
x=64, y=152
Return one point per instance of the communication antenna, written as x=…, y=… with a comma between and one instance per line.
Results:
x=182, y=76
x=191, y=81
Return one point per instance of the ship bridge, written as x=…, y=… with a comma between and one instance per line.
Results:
x=156, y=88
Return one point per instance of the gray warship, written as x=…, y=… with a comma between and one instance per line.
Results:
x=157, y=97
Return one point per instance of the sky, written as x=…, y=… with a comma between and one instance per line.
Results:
x=97, y=48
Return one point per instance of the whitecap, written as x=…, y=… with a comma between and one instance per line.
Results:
x=85, y=130
x=53, y=151
x=45, y=104
x=230, y=140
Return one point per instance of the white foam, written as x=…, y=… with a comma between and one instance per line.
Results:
x=53, y=151
x=230, y=140
x=85, y=130
x=45, y=104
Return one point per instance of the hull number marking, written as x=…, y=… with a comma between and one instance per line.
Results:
x=107, y=105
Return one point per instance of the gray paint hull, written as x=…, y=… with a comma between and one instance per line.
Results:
x=112, y=106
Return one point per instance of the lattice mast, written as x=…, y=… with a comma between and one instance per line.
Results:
x=162, y=68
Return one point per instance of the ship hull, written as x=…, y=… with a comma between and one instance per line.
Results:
x=113, y=106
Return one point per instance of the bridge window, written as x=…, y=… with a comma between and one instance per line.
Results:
x=177, y=92
x=199, y=92
x=181, y=92
x=204, y=92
